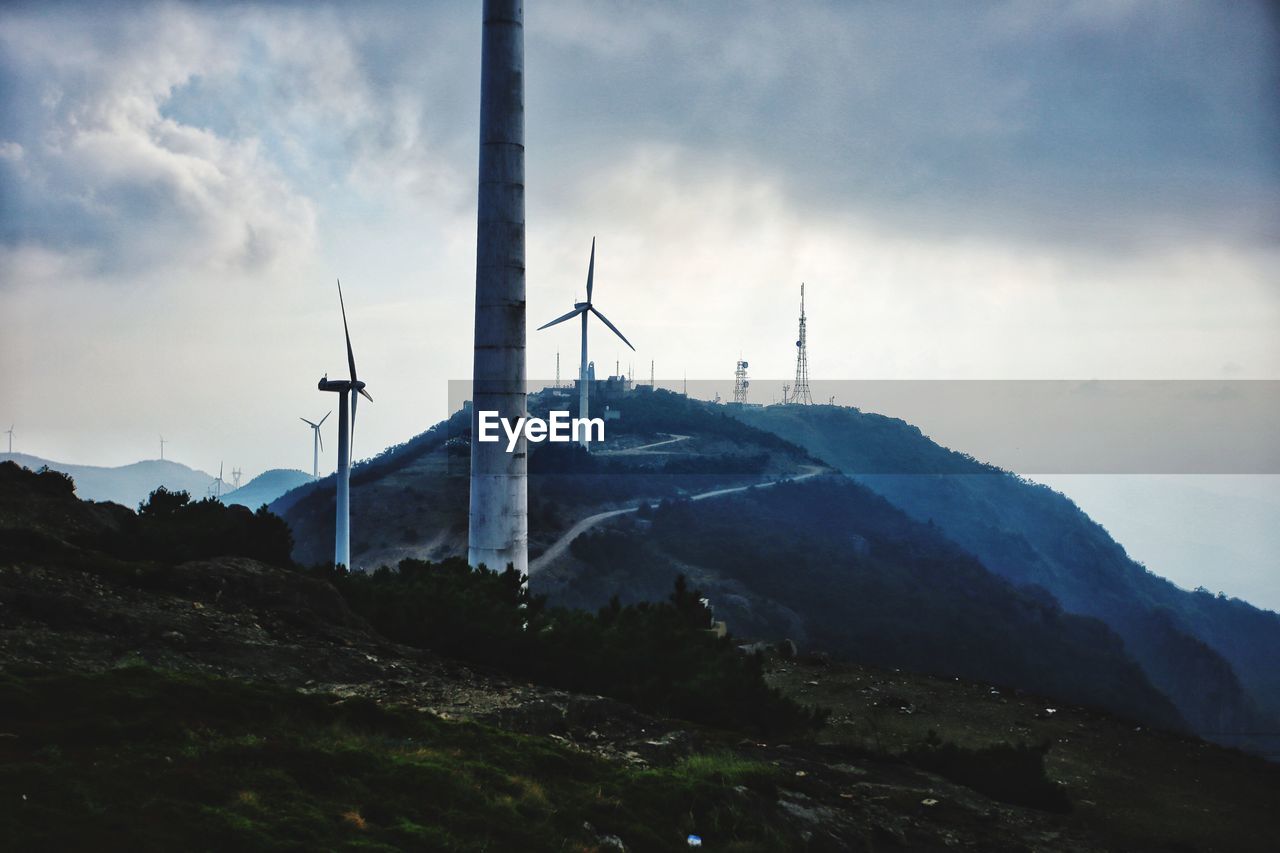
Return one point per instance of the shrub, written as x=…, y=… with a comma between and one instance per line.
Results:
x=661, y=657
x=1011, y=773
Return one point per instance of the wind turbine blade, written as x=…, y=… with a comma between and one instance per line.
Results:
x=305, y=421
x=351, y=439
x=326, y=417
x=351, y=359
x=574, y=313
x=320, y=438
x=367, y=395
x=605, y=320
x=591, y=269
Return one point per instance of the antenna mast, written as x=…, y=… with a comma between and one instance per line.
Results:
x=800, y=390
x=740, y=382
x=557, y=368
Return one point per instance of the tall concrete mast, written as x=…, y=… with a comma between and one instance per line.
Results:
x=499, y=521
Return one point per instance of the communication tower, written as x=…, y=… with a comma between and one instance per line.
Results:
x=740, y=383
x=800, y=390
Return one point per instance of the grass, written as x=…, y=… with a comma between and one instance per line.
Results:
x=142, y=759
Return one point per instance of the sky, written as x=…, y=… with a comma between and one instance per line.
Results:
x=1022, y=190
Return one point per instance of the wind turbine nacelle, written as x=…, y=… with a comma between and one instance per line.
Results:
x=335, y=385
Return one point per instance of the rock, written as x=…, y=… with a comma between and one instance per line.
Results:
x=604, y=840
x=593, y=712
x=786, y=649
x=539, y=717
x=668, y=748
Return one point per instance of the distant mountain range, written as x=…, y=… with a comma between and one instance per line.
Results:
x=130, y=485
x=127, y=484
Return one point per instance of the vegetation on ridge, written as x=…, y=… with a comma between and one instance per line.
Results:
x=661, y=657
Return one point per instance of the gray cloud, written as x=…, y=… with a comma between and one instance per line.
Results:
x=1095, y=123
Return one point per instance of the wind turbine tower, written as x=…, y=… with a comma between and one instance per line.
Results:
x=800, y=390
x=162, y=444
x=9, y=431
x=346, y=428
x=317, y=443
x=740, y=383
x=585, y=372
x=498, y=516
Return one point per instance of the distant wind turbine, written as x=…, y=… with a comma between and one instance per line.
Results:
x=346, y=431
x=218, y=483
x=317, y=443
x=585, y=308
x=162, y=444
x=10, y=432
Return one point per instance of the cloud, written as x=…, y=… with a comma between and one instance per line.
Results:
x=1105, y=125
x=93, y=167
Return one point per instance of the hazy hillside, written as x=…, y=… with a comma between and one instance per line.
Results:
x=127, y=484
x=1215, y=657
x=266, y=487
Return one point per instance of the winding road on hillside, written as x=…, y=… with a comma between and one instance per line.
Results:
x=562, y=544
x=646, y=448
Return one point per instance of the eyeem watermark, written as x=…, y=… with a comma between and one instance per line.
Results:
x=559, y=427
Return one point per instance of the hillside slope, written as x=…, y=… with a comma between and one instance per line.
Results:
x=1215, y=657
x=411, y=500
x=233, y=703
x=266, y=487
x=836, y=568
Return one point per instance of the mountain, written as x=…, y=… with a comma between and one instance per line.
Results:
x=1214, y=656
x=865, y=582
x=266, y=487
x=127, y=484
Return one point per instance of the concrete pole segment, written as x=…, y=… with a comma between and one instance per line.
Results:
x=498, y=532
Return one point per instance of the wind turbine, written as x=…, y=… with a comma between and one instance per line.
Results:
x=585, y=308
x=346, y=430
x=217, y=484
x=317, y=443
x=162, y=444
x=10, y=432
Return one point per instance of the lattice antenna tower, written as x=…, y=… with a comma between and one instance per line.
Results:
x=740, y=383
x=800, y=390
